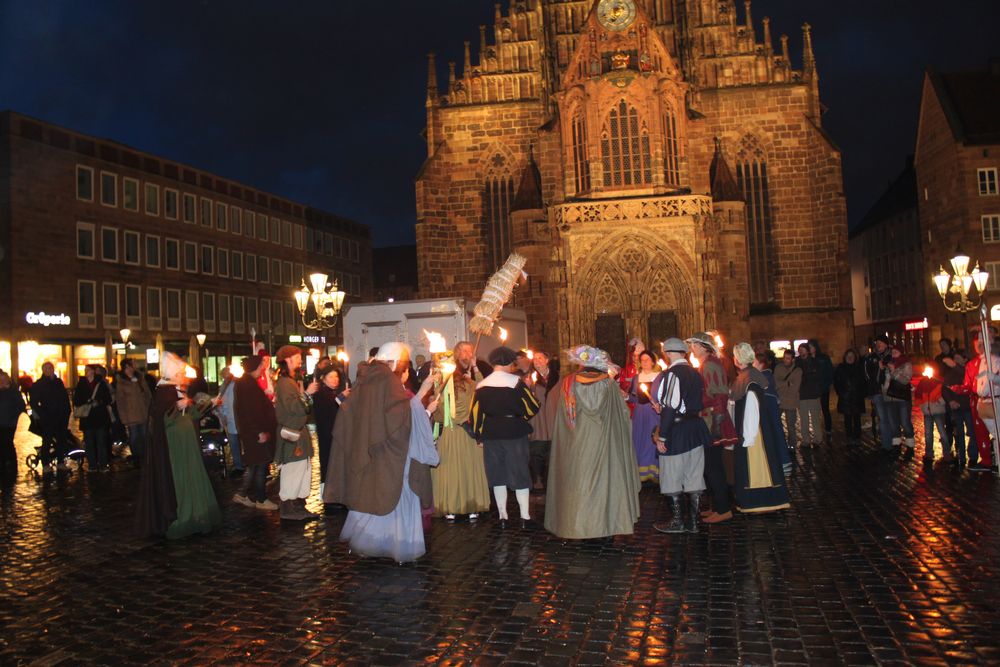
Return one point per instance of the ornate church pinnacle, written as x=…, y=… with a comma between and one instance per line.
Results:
x=784, y=51
x=451, y=74
x=724, y=187
x=746, y=5
x=482, y=44
x=432, y=80
x=467, y=65
x=808, y=60
x=767, y=36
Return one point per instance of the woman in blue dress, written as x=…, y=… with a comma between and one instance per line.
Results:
x=644, y=417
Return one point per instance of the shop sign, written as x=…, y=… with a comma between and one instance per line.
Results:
x=296, y=338
x=43, y=318
x=916, y=326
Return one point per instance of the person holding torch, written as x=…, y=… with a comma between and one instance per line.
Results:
x=459, y=481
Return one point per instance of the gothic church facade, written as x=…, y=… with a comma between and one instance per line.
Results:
x=661, y=165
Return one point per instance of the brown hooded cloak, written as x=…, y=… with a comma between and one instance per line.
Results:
x=371, y=440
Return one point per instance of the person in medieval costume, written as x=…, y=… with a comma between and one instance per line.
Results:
x=197, y=509
x=459, y=482
x=759, y=481
x=643, y=387
x=257, y=427
x=157, y=504
x=294, y=450
x=379, y=435
x=635, y=347
x=715, y=412
x=500, y=414
x=542, y=381
x=593, y=489
x=682, y=436
x=979, y=403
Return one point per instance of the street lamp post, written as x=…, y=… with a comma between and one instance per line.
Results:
x=956, y=288
x=326, y=300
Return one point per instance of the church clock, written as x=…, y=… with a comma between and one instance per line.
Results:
x=616, y=14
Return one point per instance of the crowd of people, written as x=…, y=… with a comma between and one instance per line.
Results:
x=450, y=437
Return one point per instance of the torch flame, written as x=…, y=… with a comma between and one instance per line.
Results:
x=190, y=372
x=694, y=361
x=528, y=353
x=236, y=370
x=534, y=376
x=644, y=388
x=662, y=364
x=928, y=372
x=342, y=356
x=718, y=341
x=436, y=342
x=447, y=369
x=503, y=335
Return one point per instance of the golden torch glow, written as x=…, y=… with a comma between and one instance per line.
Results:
x=534, y=376
x=435, y=341
x=236, y=370
x=190, y=372
x=662, y=364
x=342, y=356
x=718, y=341
x=447, y=368
x=694, y=361
x=528, y=353
x=644, y=388
x=503, y=335
x=928, y=372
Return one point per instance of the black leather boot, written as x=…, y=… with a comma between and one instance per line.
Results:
x=695, y=500
x=676, y=524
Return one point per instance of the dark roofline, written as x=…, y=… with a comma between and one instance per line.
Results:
x=249, y=194
x=899, y=197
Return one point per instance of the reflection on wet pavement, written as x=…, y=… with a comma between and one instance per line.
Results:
x=877, y=563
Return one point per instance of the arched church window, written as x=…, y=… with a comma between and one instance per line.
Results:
x=581, y=163
x=671, y=149
x=498, y=193
x=625, y=148
x=752, y=177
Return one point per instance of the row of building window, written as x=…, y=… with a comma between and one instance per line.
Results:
x=209, y=213
x=204, y=259
x=991, y=228
x=169, y=309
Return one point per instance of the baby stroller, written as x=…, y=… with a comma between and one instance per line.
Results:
x=214, y=443
x=74, y=453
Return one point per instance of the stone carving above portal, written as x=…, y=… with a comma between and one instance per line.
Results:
x=632, y=209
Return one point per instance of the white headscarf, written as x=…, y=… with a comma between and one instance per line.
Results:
x=391, y=353
x=171, y=368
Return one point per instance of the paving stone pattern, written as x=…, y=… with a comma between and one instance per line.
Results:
x=877, y=562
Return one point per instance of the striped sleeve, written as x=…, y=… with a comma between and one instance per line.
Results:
x=528, y=401
x=477, y=417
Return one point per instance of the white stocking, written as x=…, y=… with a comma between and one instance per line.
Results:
x=522, y=502
x=500, y=493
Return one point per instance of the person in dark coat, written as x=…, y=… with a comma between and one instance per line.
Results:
x=810, y=394
x=326, y=404
x=11, y=407
x=50, y=410
x=826, y=381
x=257, y=426
x=156, y=509
x=94, y=391
x=850, y=384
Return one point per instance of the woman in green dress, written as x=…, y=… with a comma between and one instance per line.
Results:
x=197, y=509
x=593, y=488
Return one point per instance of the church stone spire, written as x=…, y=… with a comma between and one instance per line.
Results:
x=750, y=30
x=467, y=65
x=432, y=80
x=724, y=187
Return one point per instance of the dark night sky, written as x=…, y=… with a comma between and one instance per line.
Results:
x=322, y=101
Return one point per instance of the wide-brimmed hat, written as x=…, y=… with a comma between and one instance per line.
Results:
x=588, y=356
x=287, y=352
x=706, y=339
x=675, y=344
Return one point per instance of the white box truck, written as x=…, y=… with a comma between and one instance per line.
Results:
x=368, y=325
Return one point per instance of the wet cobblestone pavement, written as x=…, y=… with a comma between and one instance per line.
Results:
x=877, y=562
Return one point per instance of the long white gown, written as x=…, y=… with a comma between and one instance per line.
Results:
x=399, y=534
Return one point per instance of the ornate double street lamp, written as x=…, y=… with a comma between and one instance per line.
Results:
x=956, y=295
x=326, y=300
x=956, y=289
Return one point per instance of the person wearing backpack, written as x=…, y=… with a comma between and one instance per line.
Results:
x=92, y=406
